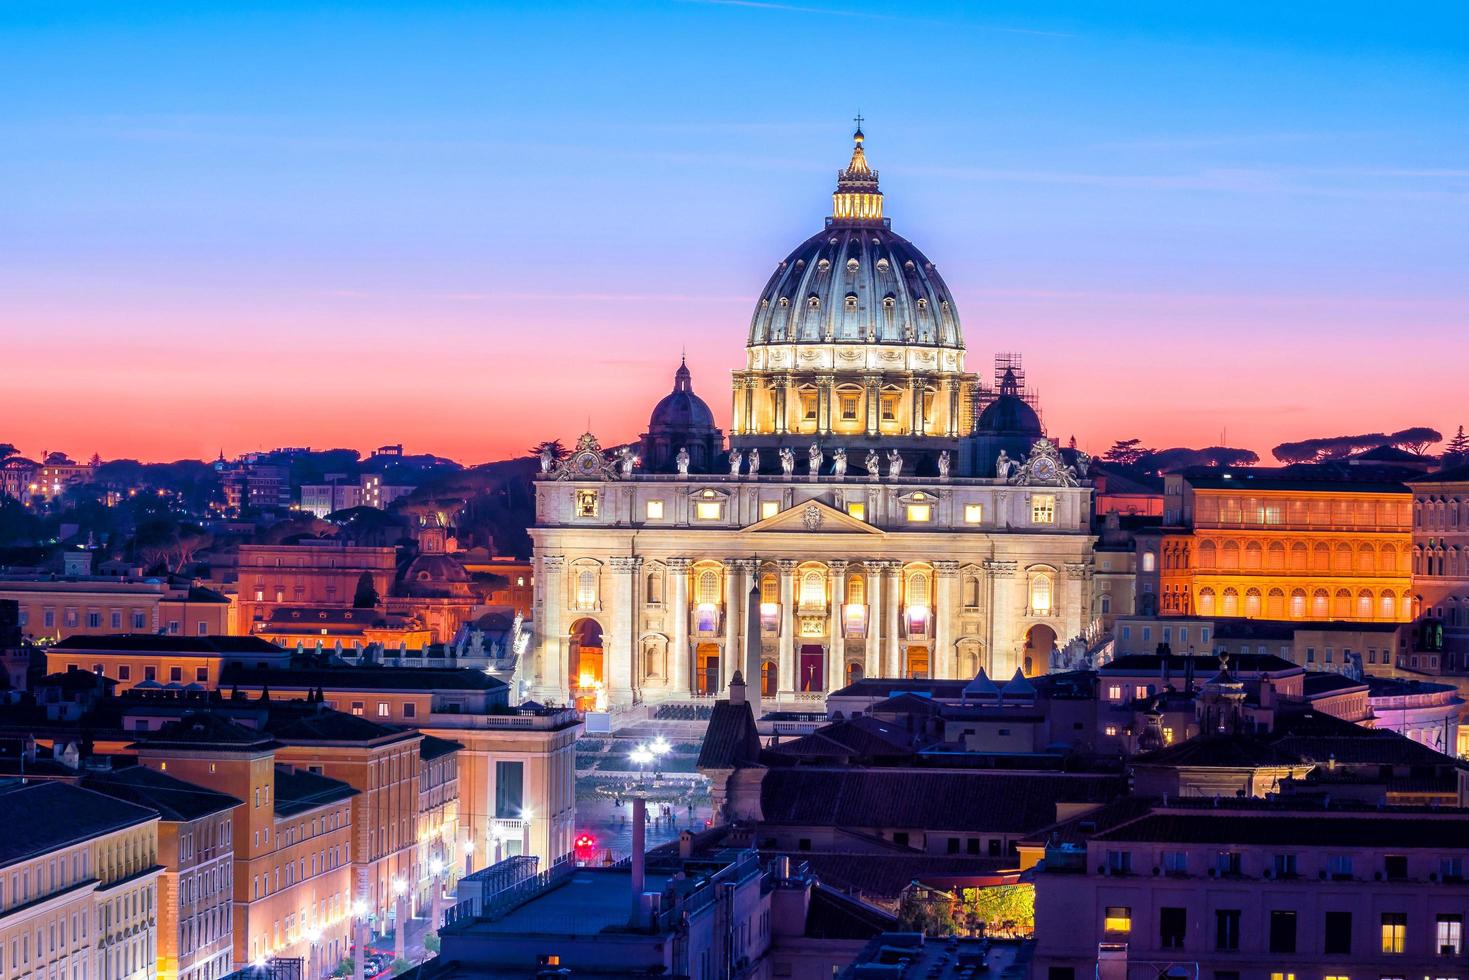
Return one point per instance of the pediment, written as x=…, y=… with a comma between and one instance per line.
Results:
x=813, y=517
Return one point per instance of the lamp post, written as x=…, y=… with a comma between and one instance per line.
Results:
x=525, y=818
x=468, y=856
x=641, y=756
x=400, y=915
x=313, y=956
x=498, y=837
x=436, y=871
x=359, y=941
x=660, y=747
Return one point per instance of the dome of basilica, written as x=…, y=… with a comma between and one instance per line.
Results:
x=856, y=281
x=681, y=408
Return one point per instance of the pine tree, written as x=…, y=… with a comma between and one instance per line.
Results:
x=1457, y=450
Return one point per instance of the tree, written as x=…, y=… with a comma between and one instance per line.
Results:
x=7, y=450
x=432, y=943
x=366, y=596
x=1457, y=451
x=553, y=446
x=1001, y=909
x=399, y=966
x=927, y=911
x=1126, y=452
x=1416, y=439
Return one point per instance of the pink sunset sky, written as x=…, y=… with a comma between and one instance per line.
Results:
x=468, y=231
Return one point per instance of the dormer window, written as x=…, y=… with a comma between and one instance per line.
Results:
x=784, y=302
x=823, y=265
x=814, y=302
x=883, y=265
x=922, y=305
x=851, y=303
x=889, y=302
x=853, y=265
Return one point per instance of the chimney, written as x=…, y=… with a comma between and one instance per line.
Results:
x=1188, y=672
x=737, y=688
x=752, y=645
x=1165, y=656
x=1111, y=961
x=685, y=843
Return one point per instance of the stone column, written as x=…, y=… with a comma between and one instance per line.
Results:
x=782, y=406
x=549, y=675
x=946, y=574
x=749, y=396
x=836, y=650
x=873, y=666
x=729, y=657
x=893, y=606
x=953, y=385
x=620, y=647
x=915, y=405
x=679, y=655
x=824, y=391
x=1004, y=614
x=1075, y=614
x=786, y=675
x=872, y=391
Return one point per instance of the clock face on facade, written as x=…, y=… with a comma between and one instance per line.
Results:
x=587, y=463
x=1045, y=468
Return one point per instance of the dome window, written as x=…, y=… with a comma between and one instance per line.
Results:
x=831, y=241
x=800, y=263
x=888, y=302
x=877, y=241
x=851, y=303
x=922, y=305
x=784, y=302
x=823, y=265
x=883, y=265
x=909, y=265
x=765, y=304
x=813, y=301
x=853, y=265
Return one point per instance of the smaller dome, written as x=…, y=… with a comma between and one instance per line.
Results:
x=1009, y=413
x=435, y=569
x=681, y=408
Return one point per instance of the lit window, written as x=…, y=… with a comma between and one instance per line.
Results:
x=808, y=406
x=708, y=510
x=857, y=510
x=973, y=513
x=1043, y=509
x=655, y=510
x=1149, y=561
x=1282, y=976
x=769, y=508
x=1111, y=731
x=586, y=589
x=1114, y=692
x=919, y=513
x=1040, y=594
x=1394, y=931
x=1118, y=918
x=889, y=408
x=1450, y=935
x=849, y=407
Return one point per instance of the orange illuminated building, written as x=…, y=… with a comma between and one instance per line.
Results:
x=97, y=605
x=1300, y=543
x=161, y=661
x=322, y=574
x=292, y=838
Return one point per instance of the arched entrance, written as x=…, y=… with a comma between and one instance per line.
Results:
x=1040, y=641
x=584, y=662
x=768, y=676
x=916, y=663
x=811, y=668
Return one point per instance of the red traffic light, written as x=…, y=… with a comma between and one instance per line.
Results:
x=585, y=846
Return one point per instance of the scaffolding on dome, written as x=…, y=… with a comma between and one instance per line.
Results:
x=1006, y=363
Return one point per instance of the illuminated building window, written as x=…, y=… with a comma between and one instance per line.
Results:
x=813, y=590
x=1040, y=595
x=586, y=589
x=849, y=407
x=1043, y=509
x=586, y=503
x=1114, y=692
x=655, y=510
x=973, y=513
x=919, y=513
x=808, y=405
x=850, y=303
x=1450, y=935
x=1118, y=918
x=917, y=592
x=1167, y=736
x=1394, y=931
x=857, y=510
x=769, y=508
x=708, y=591
x=889, y=408
x=708, y=510
x=1149, y=561
x=1111, y=731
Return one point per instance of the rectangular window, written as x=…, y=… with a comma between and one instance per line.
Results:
x=1175, y=862
x=1394, y=931
x=1395, y=866
x=857, y=510
x=1450, y=934
x=889, y=408
x=410, y=710
x=1339, y=866
x=124, y=672
x=1338, y=933
x=1285, y=865
x=94, y=620
x=769, y=508
x=849, y=408
x=919, y=513
x=973, y=513
x=201, y=674
x=175, y=674
x=1229, y=863
x=655, y=510
x=1226, y=929
x=1043, y=509
x=1451, y=869
x=808, y=406
x=586, y=503
x=1118, y=918
x=1282, y=931
x=1119, y=862
x=1172, y=927
x=357, y=708
x=509, y=790
x=140, y=621
x=708, y=510
x=383, y=710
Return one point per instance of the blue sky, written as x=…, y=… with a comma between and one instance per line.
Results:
x=1191, y=218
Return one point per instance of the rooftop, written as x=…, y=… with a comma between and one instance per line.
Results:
x=42, y=817
x=363, y=678
x=216, y=646
x=297, y=790
x=174, y=799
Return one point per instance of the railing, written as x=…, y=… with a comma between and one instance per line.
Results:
x=513, y=896
x=743, y=868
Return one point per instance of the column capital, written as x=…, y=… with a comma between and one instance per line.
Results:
x=747, y=565
x=1001, y=567
x=1076, y=569
x=837, y=565
x=787, y=566
x=625, y=563
x=678, y=565
x=553, y=561
x=946, y=569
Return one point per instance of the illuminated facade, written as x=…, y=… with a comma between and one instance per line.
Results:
x=53, y=609
x=78, y=889
x=885, y=513
x=1441, y=565
x=1265, y=544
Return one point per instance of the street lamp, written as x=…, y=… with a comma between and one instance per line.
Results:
x=400, y=916
x=435, y=870
x=660, y=747
x=359, y=940
x=525, y=818
x=468, y=856
x=497, y=836
x=313, y=955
